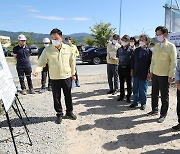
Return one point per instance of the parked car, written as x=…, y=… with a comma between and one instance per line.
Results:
x=34, y=49
x=88, y=47
x=83, y=48
x=94, y=55
x=6, y=52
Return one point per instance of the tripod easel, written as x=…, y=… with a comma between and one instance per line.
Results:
x=16, y=108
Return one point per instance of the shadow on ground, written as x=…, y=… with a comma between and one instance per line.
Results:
x=163, y=151
x=139, y=140
x=81, y=95
x=15, y=122
x=110, y=123
x=110, y=107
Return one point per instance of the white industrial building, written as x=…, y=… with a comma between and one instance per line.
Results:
x=5, y=41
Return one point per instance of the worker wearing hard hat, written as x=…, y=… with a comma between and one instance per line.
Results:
x=76, y=54
x=45, y=70
x=23, y=65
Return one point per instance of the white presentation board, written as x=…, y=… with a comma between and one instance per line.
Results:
x=7, y=86
x=175, y=39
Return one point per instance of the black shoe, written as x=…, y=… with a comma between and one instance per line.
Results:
x=70, y=116
x=152, y=113
x=177, y=127
x=133, y=106
x=58, y=120
x=128, y=100
x=49, y=88
x=161, y=119
x=110, y=92
x=120, y=98
x=143, y=107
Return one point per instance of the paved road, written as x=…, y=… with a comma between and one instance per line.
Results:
x=83, y=69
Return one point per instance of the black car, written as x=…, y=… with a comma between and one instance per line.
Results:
x=94, y=55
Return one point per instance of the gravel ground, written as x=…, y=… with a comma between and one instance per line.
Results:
x=47, y=137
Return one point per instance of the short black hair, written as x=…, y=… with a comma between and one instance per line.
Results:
x=126, y=37
x=146, y=37
x=68, y=38
x=152, y=43
x=133, y=38
x=136, y=43
x=55, y=30
x=163, y=29
x=116, y=36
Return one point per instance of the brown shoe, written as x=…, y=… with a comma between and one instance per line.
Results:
x=24, y=92
x=31, y=91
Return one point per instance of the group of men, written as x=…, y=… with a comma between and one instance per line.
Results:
x=128, y=61
x=139, y=63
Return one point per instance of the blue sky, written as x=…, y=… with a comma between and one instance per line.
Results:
x=74, y=16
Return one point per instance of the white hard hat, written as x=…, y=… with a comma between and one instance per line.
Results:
x=22, y=37
x=46, y=40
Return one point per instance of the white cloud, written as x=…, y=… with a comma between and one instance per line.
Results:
x=28, y=8
x=24, y=6
x=49, y=17
x=33, y=10
x=81, y=19
x=56, y=18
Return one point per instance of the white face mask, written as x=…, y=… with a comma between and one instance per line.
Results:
x=68, y=43
x=160, y=38
x=131, y=43
x=124, y=43
x=114, y=41
x=152, y=49
x=46, y=45
x=56, y=42
x=141, y=43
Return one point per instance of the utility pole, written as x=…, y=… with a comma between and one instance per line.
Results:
x=170, y=30
x=120, y=12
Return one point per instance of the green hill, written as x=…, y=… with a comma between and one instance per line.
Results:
x=38, y=37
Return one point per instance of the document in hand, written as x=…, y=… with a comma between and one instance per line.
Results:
x=112, y=55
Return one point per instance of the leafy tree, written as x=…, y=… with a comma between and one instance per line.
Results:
x=89, y=41
x=30, y=40
x=74, y=41
x=13, y=44
x=40, y=45
x=101, y=33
